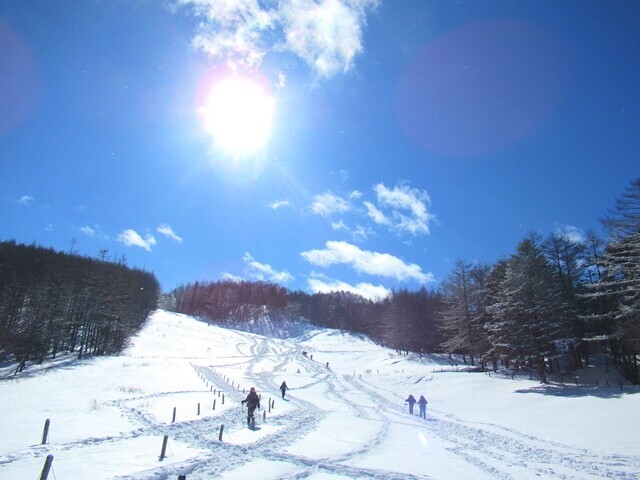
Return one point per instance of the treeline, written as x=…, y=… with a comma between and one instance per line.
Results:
x=554, y=299
x=546, y=307
x=404, y=320
x=52, y=302
x=228, y=301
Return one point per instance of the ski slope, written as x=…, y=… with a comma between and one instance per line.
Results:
x=108, y=416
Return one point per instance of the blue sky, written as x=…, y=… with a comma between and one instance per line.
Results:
x=356, y=145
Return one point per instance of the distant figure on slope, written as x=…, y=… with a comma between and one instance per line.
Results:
x=422, y=403
x=283, y=388
x=411, y=401
x=253, y=402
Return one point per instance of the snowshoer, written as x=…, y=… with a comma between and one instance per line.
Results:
x=253, y=402
x=283, y=388
x=411, y=401
x=422, y=403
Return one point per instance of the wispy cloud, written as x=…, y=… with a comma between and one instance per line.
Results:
x=363, y=261
x=407, y=209
x=26, y=200
x=571, y=233
x=326, y=34
x=376, y=215
x=94, y=232
x=279, y=204
x=327, y=204
x=358, y=233
x=263, y=271
x=231, y=277
x=168, y=232
x=320, y=284
x=131, y=238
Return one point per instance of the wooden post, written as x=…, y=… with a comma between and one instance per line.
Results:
x=214, y=403
x=198, y=408
x=174, y=414
x=269, y=405
x=47, y=466
x=164, y=447
x=45, y=433
x=221, y=430
x=264, y=417
x=223, y=399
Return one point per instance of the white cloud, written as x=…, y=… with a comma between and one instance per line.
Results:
x=131, y=238
x=326, y=204
x=279, y=204
x=26, y=200
x=358, y=233
x=94, y=232
x=363, y=261
x=409, y=208
x=327, y=34
x=167, y=231
x=262, y=271
x=319, y=284
x=573, y=234
x=376, y=215
x=231, y=277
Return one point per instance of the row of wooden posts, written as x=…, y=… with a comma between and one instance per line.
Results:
x=45, y=434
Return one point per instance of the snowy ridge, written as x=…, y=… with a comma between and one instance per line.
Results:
x=344, y=420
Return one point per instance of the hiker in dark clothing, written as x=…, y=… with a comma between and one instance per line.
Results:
x=422, y=403
x=253, y=402
x=283, y=388
x=411, y=401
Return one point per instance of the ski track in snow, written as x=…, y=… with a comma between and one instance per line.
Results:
x=492, y=449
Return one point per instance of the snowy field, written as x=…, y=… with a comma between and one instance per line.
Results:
x=109, y=416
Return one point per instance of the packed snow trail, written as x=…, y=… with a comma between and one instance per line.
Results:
x=334, y=424
x=491, y=449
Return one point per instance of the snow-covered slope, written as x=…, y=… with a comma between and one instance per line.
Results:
x=345, y=420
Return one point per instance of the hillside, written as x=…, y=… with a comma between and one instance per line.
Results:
x=344, y=417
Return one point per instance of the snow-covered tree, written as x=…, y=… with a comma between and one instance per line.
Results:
x=528, y=313
x=461, y=322
x=618, y=286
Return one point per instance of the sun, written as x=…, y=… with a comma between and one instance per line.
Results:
x=238, y=113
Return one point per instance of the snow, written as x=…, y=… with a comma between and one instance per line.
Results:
x=108, y=416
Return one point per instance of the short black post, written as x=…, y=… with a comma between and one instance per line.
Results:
x=214, y=403
x=223, y=399
x=164, y=447
x=221, y=430
x=45, y=433
x=47, y=466
x=269, y=405
x=264, y=417
x=198, y=408
x=174, y=415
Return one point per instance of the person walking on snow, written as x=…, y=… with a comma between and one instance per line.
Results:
x=283, y=388
x=411, y=401
x=422, y=403
x=253, y=402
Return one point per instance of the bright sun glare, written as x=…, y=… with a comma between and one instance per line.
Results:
x=238, y=113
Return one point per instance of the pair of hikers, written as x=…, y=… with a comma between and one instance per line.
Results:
x=253, y=402
x=422, y=404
